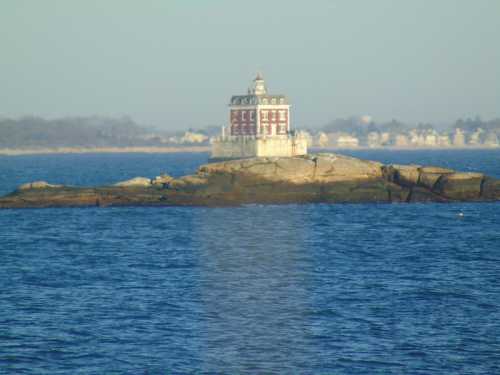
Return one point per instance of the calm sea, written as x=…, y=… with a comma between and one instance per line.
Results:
x=293, y=289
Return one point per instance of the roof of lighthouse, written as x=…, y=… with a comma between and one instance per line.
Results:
x=257, y=94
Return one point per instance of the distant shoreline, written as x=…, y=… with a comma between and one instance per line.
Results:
x=399, y=148
x=193, y=149
x=97, y=150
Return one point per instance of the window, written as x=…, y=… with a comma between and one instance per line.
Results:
x=273, y=101
x=265, y=115
x=282, y=100
x=252, y=115
x=273, y=115
x=264, y=101
x=243, y=115
x=282, y=115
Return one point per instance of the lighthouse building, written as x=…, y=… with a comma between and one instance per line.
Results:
x=259, y=125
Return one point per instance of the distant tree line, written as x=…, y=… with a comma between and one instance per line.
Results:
x=73, y=132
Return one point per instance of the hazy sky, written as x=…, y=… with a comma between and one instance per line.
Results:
x=176, y=63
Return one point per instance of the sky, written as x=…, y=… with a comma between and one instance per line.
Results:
x=175, y=64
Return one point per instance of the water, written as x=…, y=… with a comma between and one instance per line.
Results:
x=305, y=289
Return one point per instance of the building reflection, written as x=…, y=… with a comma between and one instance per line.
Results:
x=254, y=280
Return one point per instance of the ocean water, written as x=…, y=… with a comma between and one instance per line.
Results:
x=292, y=289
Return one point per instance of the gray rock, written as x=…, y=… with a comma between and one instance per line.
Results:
x=460, y=186
x=162, y=180
x=328, y=178
x=404, y=175
x=429, y=180
x=136, y=181
x=37, y=185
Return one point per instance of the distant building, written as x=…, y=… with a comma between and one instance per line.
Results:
x=431, y=139
x=322, y=140
x=401, y=141
x=444, y=140
x=475, y=138
x=259, y=125
x=458, y=138
x=191, y=137
x=385, y=138
x=307, y=136
x=373, y=139
x=491, y=140
x=347, y=141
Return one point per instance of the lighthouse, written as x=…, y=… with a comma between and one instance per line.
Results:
x=259, y=125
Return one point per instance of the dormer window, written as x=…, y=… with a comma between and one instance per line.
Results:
x=264, y=101
x=273, y=101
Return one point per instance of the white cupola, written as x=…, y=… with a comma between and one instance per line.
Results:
x=259, y=87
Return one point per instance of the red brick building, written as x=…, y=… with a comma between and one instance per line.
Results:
x=259, y=114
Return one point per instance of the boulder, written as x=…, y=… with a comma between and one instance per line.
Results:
x=490, y=189
x=334, y=167
x=460, y=186
x=436, y=170
x=189, y=183
x=294, y=170
x=264, y=167
x=135, y=182
x=37, y=185
x=403, y=175
x=162, y=180
x=429, y=180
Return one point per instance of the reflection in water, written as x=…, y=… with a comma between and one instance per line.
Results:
x=254, y=289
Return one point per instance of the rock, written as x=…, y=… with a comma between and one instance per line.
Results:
x=302, y=169
x=490, y=188
x=460, y=186
x=37, y=185
x=334, y=167
x=404, y=175
x=188, y=183
x=436, y=170
x=136, y=181
x=420, y=194
x=328, y=178
x=429, y=180
x=294, y=170
x=162, y=180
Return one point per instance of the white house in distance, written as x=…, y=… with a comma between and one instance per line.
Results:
x=259, y=125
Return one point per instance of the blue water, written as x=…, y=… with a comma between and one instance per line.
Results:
x=302, y=289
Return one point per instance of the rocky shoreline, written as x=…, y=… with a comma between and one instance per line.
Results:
x=320, y=178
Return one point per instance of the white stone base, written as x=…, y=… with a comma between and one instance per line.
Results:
x=248, y=147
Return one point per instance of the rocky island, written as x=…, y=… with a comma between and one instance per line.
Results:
x=320, y=178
